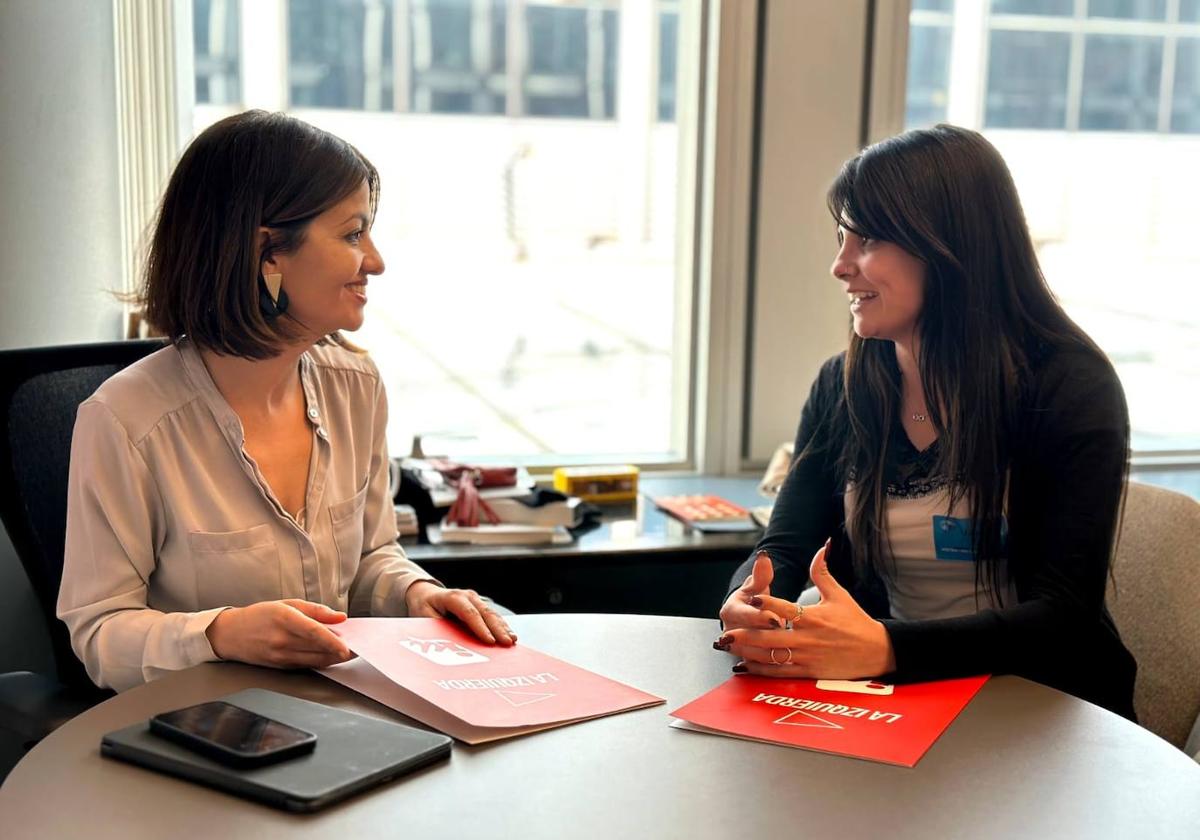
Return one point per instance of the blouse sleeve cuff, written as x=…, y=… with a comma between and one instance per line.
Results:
x=194, y=640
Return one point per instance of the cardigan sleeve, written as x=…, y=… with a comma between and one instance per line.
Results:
x=808, y=508
x=1066, y=487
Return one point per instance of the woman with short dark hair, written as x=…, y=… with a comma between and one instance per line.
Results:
x=959, y=470
x=228, y=495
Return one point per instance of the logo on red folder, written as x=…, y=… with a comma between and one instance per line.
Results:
x=803, y=718
x=442, y=651
x=857, y=686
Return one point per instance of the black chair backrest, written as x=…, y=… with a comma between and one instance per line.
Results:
x=40, y=393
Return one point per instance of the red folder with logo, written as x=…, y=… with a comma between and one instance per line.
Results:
x=435, y=671
x=894, y=724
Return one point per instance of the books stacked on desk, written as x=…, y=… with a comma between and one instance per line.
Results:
x=442, y=492
x=706, y=513
x=406, y=520
x=540, y=518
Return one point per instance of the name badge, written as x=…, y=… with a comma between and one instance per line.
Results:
x=953, y=538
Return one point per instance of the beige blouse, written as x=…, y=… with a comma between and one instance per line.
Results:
x=169, y=521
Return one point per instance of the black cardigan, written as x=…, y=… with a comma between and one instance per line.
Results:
x=1067, y=480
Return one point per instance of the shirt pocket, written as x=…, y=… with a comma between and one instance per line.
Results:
x=347, y=521
x=235, y=568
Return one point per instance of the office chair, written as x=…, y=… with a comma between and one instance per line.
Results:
x=40, y=392
x=1155, y=603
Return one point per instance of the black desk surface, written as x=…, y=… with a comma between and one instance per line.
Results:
x=639, y=528
x=639, y=560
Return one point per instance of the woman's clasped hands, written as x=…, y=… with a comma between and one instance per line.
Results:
x=775, y=637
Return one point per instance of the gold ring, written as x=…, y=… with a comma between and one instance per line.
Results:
x=787, y=661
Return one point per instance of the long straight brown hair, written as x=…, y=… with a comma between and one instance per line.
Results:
x=945, y=196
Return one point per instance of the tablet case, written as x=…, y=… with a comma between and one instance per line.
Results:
x=353, y=753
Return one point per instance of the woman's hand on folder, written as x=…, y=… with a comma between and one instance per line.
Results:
x=427, y=599
x=279, y=634
x=739, y=612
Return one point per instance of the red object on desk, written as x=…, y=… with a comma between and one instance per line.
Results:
x=875, y=721
x=701, y=508
x=435, y=671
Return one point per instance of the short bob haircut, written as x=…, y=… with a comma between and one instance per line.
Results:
x=248, y=171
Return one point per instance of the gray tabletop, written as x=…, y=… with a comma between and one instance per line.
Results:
x=1021, y=760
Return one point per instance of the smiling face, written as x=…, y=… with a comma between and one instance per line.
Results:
x=326, y=277
x=885, y=285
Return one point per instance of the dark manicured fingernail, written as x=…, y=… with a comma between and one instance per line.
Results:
x=739, y=668
x=718, y=646
x=756, y=601
x=774, y=622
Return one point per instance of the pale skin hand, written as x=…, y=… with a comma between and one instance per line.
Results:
x=834, y=639
x=279, y=634
x=428, y=600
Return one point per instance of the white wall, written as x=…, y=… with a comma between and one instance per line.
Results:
x=59, y=216
x=811, y=123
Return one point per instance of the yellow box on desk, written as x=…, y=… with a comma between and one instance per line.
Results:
x=598, y=484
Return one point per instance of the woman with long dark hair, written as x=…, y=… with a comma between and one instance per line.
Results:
x=959, y=469
x=228, y=494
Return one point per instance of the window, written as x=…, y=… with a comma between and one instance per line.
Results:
x=1185, y=113
x=929, y=62
x=1033, y=7
x=1122, y=75
x=532, y=305
x=1096, y=108
x=340, y=54
x=215, y=42
x=1052, y=66
x=1027, y=79
x=1128, y=9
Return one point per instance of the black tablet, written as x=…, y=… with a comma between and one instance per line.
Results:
x=353, y=753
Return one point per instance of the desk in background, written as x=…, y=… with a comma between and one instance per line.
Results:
x=639, y=560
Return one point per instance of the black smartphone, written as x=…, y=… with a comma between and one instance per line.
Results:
x=232, y=735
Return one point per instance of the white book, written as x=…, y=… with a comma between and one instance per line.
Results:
x=502, y=534
x=515, y=512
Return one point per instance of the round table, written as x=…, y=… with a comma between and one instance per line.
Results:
x=1022, y=760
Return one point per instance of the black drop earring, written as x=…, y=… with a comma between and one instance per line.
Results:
x=272, y=299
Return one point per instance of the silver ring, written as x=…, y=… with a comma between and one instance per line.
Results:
x=791, y=622
x=787, y=661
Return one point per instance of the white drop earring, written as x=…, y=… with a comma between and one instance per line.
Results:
x=273, y=281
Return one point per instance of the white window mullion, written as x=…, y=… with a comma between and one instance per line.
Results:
x=636, y=112
x=724, y=250
x=966, y=93
x=264, y=27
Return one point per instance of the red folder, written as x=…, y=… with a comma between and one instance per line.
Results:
x=861, y=719
x=435, y=671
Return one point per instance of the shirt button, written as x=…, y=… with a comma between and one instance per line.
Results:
x=321, y=431
x=312, y=412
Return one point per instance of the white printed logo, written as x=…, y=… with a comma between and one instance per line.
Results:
x=803, y=718
x=442, y=651
x=856, y=686
x=523, y=698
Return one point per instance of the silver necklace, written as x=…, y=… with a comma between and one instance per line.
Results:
x=919, y=418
